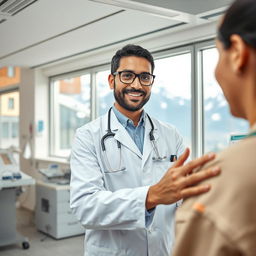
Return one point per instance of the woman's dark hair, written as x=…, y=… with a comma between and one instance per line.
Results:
x=131, y=50
x=239, y=19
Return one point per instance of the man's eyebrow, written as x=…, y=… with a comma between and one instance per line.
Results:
x=129, y=70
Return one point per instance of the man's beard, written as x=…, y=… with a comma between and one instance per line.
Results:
x=120, y=99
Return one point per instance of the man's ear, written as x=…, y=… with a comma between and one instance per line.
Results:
x=111, y=81
x=239, y=53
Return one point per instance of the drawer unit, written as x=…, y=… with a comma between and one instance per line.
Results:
x=53, y=214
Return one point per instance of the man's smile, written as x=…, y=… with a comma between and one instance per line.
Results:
x=135, y=94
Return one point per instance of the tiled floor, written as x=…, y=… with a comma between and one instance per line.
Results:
x=41, y=245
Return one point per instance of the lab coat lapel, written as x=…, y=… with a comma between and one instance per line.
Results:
x=123, y=136
x=148, y=148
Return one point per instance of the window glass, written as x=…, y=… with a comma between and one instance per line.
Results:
x=218, y=122
x=5, y=130
x=11, y=71
x=105, y=94
x=15, y=130
x=72, y=110
x=11, y=103
x=171, y=93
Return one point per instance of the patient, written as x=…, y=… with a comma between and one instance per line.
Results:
x=223, y=221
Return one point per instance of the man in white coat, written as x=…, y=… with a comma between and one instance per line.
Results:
x=123, y=188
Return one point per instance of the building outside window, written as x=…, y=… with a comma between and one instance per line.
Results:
x=9, y=119
x=9, y=76
x=72, y=109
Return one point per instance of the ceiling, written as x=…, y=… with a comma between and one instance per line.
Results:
x=38, y=32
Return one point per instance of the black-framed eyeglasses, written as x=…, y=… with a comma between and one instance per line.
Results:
x=128, y=77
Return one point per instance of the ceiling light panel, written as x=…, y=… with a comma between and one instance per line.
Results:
x=153, y=10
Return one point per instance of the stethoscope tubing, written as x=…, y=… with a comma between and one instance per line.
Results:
x=110, y=133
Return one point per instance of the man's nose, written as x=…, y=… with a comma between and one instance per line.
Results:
x=136, y=83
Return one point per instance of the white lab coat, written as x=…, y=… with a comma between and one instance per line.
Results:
x=111, y=205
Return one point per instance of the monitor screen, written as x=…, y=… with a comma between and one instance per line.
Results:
x=6, y=159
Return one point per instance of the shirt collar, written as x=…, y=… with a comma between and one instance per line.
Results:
x=124, y=120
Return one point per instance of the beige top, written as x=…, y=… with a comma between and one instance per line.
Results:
x=222, y=221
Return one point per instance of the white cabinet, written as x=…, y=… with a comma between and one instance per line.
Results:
x=53, y=214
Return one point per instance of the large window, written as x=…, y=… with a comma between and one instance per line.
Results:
x=171, y=93
x=185, y=94
x=72, y=109
x=218, y=122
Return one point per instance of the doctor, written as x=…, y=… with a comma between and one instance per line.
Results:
x=123, y=190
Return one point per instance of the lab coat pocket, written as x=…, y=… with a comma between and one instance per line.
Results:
x=161, y=168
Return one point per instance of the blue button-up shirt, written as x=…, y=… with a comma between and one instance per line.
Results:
x=136, y=132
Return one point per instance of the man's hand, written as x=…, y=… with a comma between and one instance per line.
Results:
x=180, y=181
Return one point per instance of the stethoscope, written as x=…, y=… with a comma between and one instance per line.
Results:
x=109, y=134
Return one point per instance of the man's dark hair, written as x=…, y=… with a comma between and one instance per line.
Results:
x=239, y=19
x=131, y=50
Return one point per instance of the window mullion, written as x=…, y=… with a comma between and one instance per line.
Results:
x=197, y=104
x=94, y=101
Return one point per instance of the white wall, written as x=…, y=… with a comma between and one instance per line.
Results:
x=27, y=113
